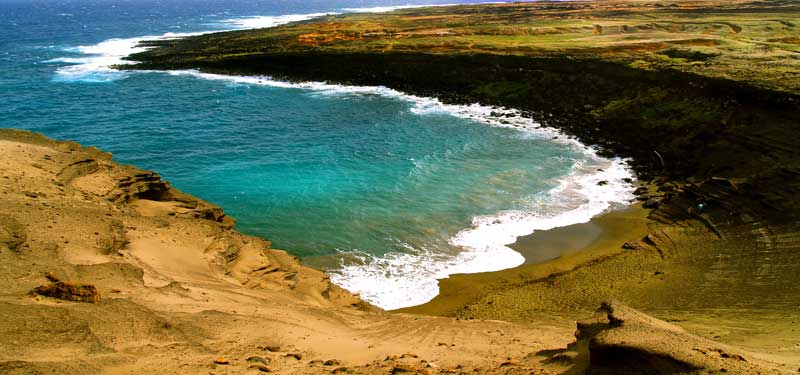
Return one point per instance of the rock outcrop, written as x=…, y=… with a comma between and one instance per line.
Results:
x=68, y=290
x=180, y=288
x=622, y=340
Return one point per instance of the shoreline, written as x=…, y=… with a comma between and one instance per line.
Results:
x=615, y=174
x=715, y=289
x=158, y=281
x=602, y=231
x=717, y=132
x=602, y=236
x=558, y=248
x=487, y=115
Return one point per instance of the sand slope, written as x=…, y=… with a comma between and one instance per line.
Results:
x=182, y=292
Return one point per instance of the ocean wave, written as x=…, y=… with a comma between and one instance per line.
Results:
x=391, y=8
x=405, y=279
x=259, y=22
x=96, y=64
x=398, y=280
x=99, y=58
x=395, y=280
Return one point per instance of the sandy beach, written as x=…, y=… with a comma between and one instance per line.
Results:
x=603, y=235
x=707, y=282
x=109, y=270
x=554, y=251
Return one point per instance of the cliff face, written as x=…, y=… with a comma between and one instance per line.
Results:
x=131, y=216
x=107, y=269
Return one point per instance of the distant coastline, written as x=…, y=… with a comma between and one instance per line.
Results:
x=689, y=134
x=687, y=114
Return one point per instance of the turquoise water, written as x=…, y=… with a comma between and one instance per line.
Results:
x=409, y=189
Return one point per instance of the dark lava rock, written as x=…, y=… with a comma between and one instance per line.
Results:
x=68, y=291
x=400, y=369
x=652, y=203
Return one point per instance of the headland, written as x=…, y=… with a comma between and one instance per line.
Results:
x=701, y=95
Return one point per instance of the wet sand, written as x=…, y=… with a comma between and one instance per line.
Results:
x=603, y=231
x=546, y=252
x=729, y=284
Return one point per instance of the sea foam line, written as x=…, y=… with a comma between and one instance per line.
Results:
x=391, y=8
x=96, y=65
x=397, y=280
x=405, y=279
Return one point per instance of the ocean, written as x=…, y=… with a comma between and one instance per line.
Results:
x=392, y=192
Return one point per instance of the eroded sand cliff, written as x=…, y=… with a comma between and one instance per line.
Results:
x=172, y=288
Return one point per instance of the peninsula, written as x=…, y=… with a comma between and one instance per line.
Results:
x=702, y=96
x=108, y=269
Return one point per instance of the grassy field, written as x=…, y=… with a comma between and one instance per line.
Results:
x=755, y=42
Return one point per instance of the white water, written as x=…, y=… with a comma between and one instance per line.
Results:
x=399, y=280
x=405, y=279
x=96, y=66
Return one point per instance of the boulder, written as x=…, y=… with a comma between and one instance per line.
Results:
x=68, y=291
x=652, y=203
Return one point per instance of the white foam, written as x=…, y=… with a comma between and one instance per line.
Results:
x=97, y=65
x=398, y=280
x=405, y=279
x=385, y=9
x=258, y=22
x=98, y=60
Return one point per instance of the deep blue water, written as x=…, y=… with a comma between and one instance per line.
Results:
x=416, y=191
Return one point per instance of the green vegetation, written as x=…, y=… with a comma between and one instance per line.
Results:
x=712, y=86
x=756, y=42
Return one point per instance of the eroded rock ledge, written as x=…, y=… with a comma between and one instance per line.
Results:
x=131, y=213
x=182, y=292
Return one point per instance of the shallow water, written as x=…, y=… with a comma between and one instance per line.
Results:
x=412, y=189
